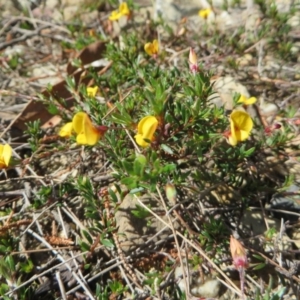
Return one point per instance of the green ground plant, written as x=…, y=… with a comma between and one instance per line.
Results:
x=148, y=128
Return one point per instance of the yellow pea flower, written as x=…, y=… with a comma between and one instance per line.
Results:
x=92, y=91
x=146, y=129
x=204, y=13
x=87, y=133
x=247, y=101
x=115, y=15
x=122, y=11
x=152, y=48
x=241, y=125
x=5, y=155
x=66, y=130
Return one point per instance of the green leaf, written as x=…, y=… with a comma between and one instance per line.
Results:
x=243, y=152
x=113, y=195
x=168, y=168
x=107, y=243
x=3, y=249
x=140, y=212
x=87, y=236
x=249, y=152
x=258, y=257
x=139, y=165
x=11, y=263
x=84, y=246
x=130, y=182
x=70, y=83
x=123, y=117
x=270, y=233
x=128, y=166
x=4, y=288
x=116, y=287
x=137, y=190
x=27, y=266
x=53, y=109
x=259, y=266
x=167, y=149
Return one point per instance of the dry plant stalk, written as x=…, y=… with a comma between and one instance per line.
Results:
x=109, y=215
x=6, y=227
x=56, y=240
x=9, y=225
x=123, y=259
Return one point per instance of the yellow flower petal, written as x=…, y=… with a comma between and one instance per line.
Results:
x=66, y=130
x=87, y=133
x=247, y=101
x=92, y=91
x=155, y=46
x=5, y=155
x=148, y=48
x=122, y=11
x=78, y=122
x=232, y=140
x=152, y=48
x=88, y=137
x=115, y=15
x=204, y=13
x=241, y=125
x=140, y=141
x=146, y=129
x=123, y=8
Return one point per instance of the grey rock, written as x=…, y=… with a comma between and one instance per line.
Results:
x=225, y=88
x=208, y=287
x=134, y=232
x=286, y=203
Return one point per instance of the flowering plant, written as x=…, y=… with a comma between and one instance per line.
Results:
x=87, y=132
x=122, y=11
x=146, y=129
x=152, y=48
x=5, y=155
x=241, y=125
x=204, y=13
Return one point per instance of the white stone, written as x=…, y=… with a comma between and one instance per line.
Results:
x=209, y=289
x=244, y=60
x=47, y=74
x=267, y=109
x=225, y=88
x=294, y=21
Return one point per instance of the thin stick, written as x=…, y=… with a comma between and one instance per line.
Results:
x=195, y=246
x=186, y=286
x=61, y=285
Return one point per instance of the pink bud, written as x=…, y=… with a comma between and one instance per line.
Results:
x=238, y=254
x=102, y=129
x=193, y=61
x=271, y=128
x=277, y=126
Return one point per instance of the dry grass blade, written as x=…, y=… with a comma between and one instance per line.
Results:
x=195, y=246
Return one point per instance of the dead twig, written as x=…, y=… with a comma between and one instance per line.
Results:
x=23, y=37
